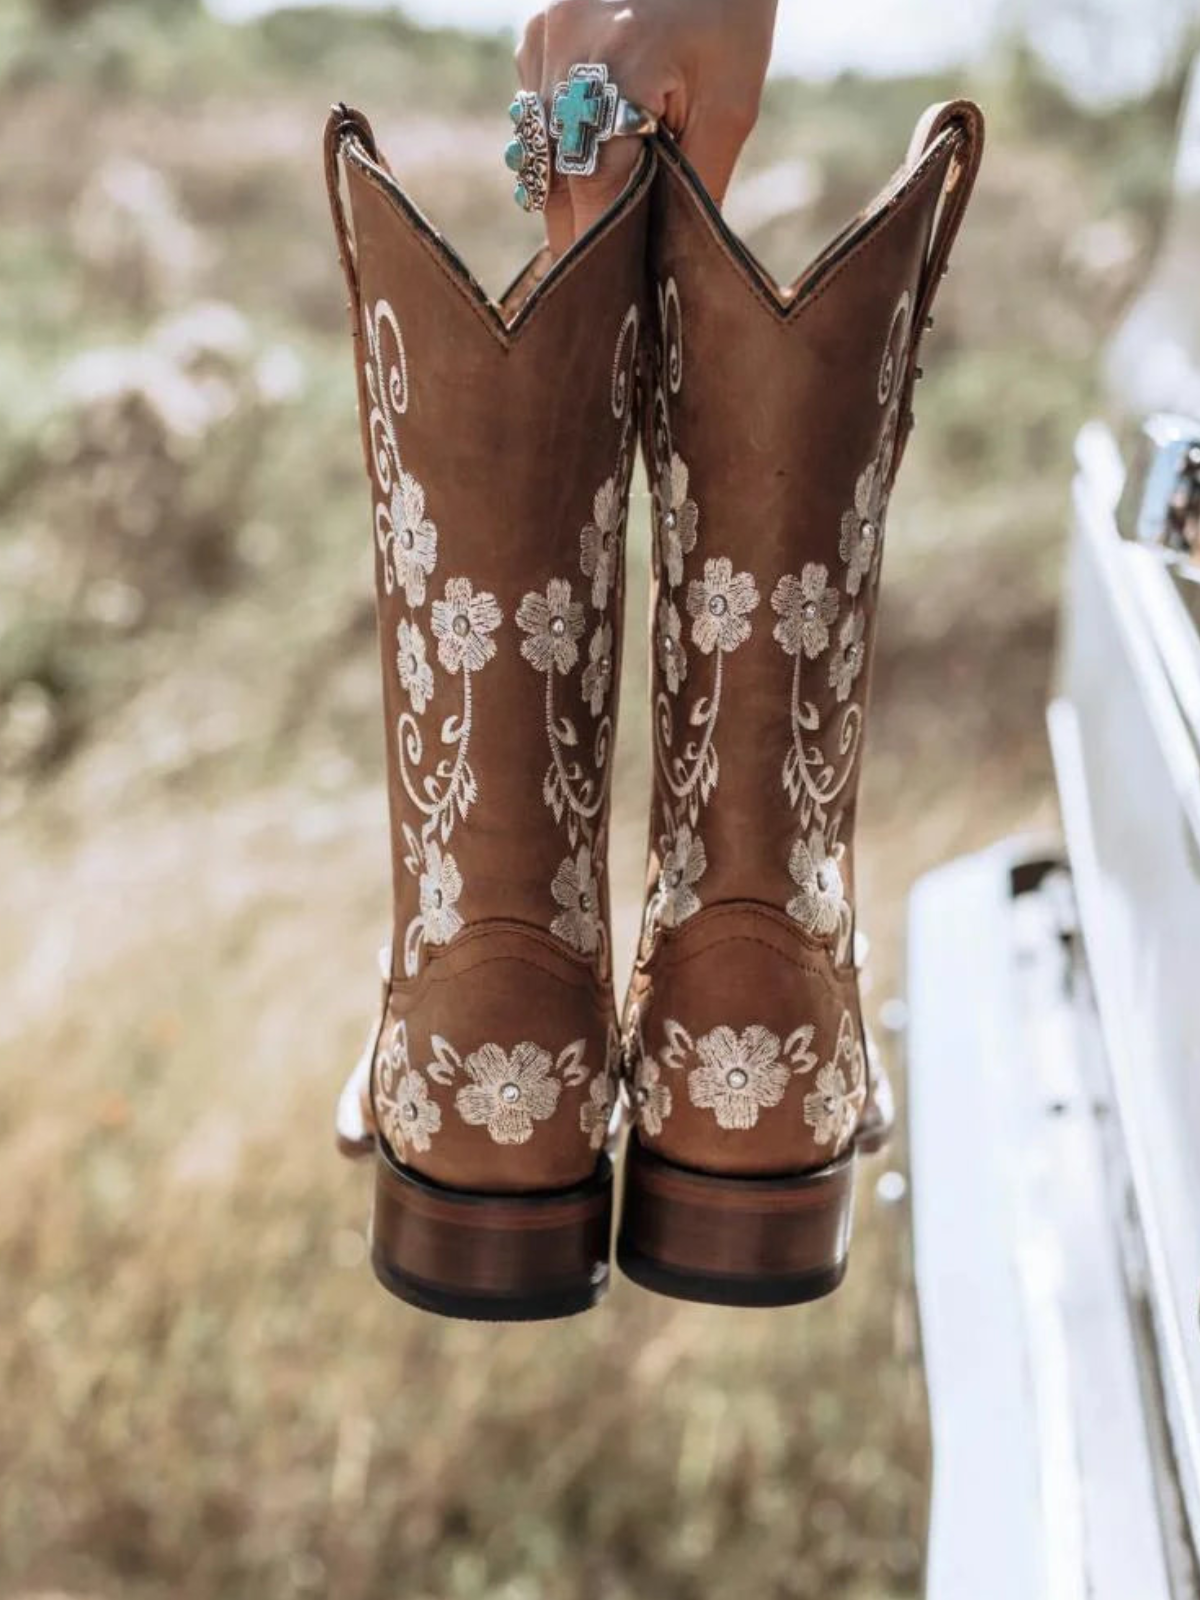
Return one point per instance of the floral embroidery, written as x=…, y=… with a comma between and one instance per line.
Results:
x=738, y=1075
x=677, y=517
x=597, y=675
x=575, y=787
x=405, y=1113
x=821, y=761
x=462, y=622
x=860, y=537
x=672, y=661
x=575, y=889
x=416, y=675
x=847, y=661
x=734, y=1075
x=651, y=1097
x=600, y=539
x=819, y=905
x=554, y=622
x=833, y=1108
x=595, y=1113
x=807, y=607
x=683, y=865
x=440, y=886
x=508, y=1093
x=719, y=605
x=412, y=544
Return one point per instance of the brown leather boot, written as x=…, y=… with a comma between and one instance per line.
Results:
x=498, y=441
x=777, y=423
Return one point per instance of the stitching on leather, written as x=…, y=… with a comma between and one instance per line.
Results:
x=507, y=337
x=789, y=315
x=562, y=966
x=433, y=978
x=830, y=974
x=789, y=933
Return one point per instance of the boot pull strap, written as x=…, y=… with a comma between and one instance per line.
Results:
x=341, y=124
x=964, y=120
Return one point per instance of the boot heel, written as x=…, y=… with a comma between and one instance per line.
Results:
x=731, y=1241
x=491, y=1257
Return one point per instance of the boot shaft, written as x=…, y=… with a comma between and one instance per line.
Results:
x=498, y=441
x=776, y=423
x=499, y=448
x=776, y=426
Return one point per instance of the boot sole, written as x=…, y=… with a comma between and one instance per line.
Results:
x=491, y=1257
x=731, y=1241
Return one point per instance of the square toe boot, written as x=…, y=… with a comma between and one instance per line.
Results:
x=498, y=442
x=776, y=420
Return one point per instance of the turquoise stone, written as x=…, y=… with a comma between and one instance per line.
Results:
x=514, y=155
x=521, y=196
x=578, y=110
x=514, y=111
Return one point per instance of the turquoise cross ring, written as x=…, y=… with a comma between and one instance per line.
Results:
x=585, y=111
x=528, y=153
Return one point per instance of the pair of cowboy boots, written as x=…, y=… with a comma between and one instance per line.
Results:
x=499, y=439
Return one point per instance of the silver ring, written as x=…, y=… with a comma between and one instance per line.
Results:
x=528, y=152
x=587, y=110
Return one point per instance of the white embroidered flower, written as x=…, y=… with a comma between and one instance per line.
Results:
x=508, y=1094
x=684, y=863
x=862, y=527
x=678, y=518
x=600, y=540
x=575, y=889
x=807, y=605
x=738, y=1075
x=719, y=605
x=651, y=1097
x=553, y=622
x=463, y=624
x=672, y=658
x=596, y=1111
x=831, y=1109
x=820, y=894
x=847, y=660
x=597, y=675
x=416, y=675
x=440, y=886
x=413, y=539
x=407, y=1115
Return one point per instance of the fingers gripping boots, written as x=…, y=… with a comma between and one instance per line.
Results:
x=775, y=431
x=499, y=443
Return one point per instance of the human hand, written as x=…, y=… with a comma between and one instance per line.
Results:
x=699, y=65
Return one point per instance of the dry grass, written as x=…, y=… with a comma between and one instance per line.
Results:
x=204, y=1394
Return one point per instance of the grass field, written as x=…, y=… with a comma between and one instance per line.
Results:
x=204, y=1394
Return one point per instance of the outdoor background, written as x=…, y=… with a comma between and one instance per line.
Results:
x=202, y=1392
